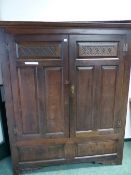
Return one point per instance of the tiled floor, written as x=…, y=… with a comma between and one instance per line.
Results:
x=78, y=169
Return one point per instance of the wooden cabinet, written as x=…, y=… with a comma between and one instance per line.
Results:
x=66, y=88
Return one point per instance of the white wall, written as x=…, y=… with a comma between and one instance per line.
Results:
x=68, y=10
x=1, y=134
x=128, y=117
x=0, y=8
x=61, y=10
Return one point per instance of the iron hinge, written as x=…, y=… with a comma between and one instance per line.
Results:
x=15, y=131
x=118, y=124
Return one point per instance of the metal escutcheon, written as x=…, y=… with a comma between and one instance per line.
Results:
x=72, y=89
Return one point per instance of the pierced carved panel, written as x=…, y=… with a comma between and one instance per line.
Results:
x=38, y=50
x=97, y=49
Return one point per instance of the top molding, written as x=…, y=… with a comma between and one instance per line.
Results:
x=71, y=24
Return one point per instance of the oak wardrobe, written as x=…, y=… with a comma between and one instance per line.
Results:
x=66, y=88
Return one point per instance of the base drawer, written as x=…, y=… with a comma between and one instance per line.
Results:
x=44, y=152
x=96, y=148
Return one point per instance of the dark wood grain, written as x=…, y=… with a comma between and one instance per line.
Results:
x=54, y=100
x=28, y=100
x=84, y=120
x=108, y=90
x=79, y=24
x=8, y=98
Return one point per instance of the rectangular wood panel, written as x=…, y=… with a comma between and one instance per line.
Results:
x=41, y=152
x=96, y=148
x=84, y=120
x=28, y=102
x=54, y=100
x=108, y=90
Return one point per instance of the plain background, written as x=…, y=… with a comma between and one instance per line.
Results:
x=68, y=10
x=65, y=10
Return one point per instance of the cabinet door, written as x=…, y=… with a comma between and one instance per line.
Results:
x=96, y=73
x=39, y=72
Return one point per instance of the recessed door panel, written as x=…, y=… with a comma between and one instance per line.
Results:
x=27, y=78
x=108, y=93
x=85, y=77
x=54, y=100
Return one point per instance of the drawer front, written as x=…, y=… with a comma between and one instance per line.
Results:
x=42, y=152
x=92, y=148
